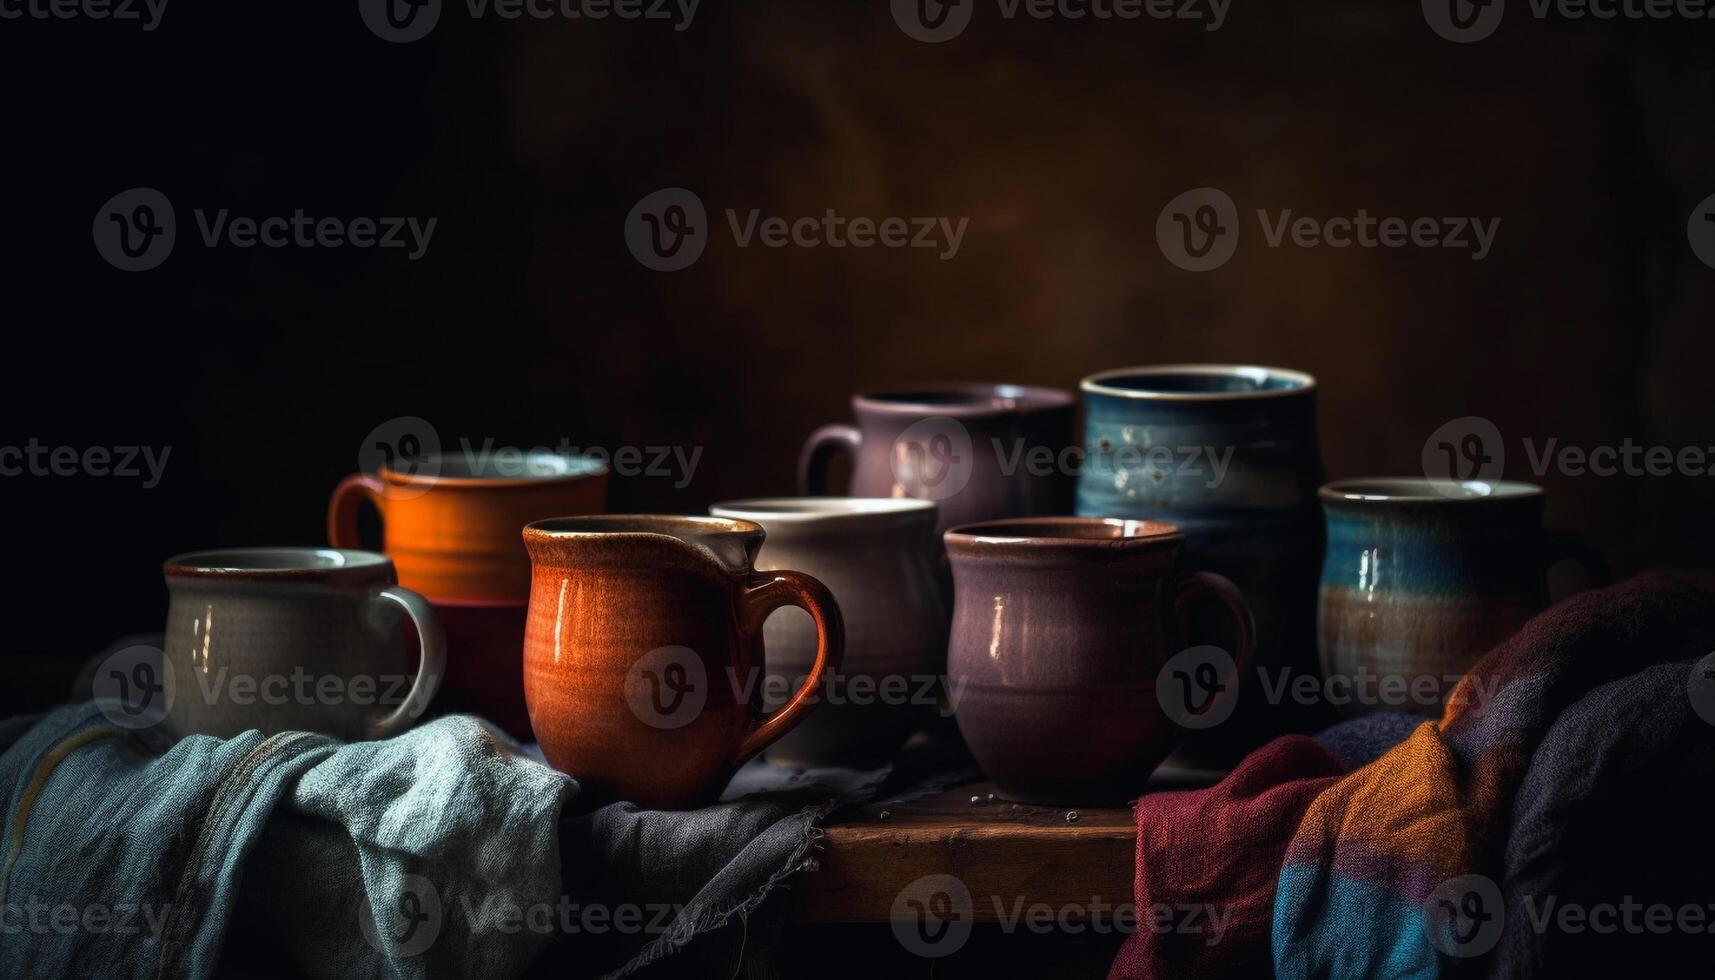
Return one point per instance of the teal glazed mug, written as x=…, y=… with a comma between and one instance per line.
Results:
x=1421, y=578
x=1229, y=455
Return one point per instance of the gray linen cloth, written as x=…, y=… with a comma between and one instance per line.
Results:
x=447, y=851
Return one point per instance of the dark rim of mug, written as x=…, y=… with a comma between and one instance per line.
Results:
x=1418, y=491
x=963, y=398
x=280, y=564
x=1294, y=383
x=1039, y=534
x=577, y=468
x=826, y=512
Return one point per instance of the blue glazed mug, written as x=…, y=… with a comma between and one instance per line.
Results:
x=1421, y=578
x=1229, y=454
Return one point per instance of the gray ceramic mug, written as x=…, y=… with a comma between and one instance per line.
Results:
x=878, y=556
x=295, y=639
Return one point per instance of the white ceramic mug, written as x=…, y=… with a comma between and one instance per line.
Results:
x=878, y=556
x=295, y=639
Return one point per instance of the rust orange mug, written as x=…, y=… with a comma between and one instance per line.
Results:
x=451, y=522
x=644, y=648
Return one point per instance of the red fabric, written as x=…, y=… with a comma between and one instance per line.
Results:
x=1219, y=849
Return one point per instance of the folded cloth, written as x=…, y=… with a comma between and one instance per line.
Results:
x=1607, y=863
x=1395, y=870
x=1208, y=860
x=128, y=855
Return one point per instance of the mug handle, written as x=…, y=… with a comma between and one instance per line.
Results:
x=431, y=666
x=1562, y=545
x=819, y=451
x=1208, y=585
x=767, y=592
x=342, y=508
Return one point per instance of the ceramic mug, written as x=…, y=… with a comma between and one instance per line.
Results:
x=1228, y=454
x=296, y=639
x=1422, y=577
x=642, y=633
x=878, y=557
x=451, y=523
x=1063, y=629
x=974, y=449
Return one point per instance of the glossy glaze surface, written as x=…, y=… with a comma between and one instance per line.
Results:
x=1229, y=454
x=452, y=527
x=1061, y=627
x=896, y=452
x=1420, y=582
x=640, y=634
x=878, y=558
x=296, y=639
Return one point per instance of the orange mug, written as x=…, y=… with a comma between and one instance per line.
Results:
x=643, y=644
x=451, y=523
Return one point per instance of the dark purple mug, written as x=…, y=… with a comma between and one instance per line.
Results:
x=980, y=451
x=1069, y=638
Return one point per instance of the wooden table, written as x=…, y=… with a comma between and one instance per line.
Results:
x=1000, y=850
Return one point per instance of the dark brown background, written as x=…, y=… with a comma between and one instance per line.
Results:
x=528, y=321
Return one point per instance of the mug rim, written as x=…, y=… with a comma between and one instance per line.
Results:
x=637, y=525
x=986, y=398
x=1135, y=535
x=1419, y=490
x=253, y=564
x=585, y=466
x=1100, y=383
x=807, y=510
